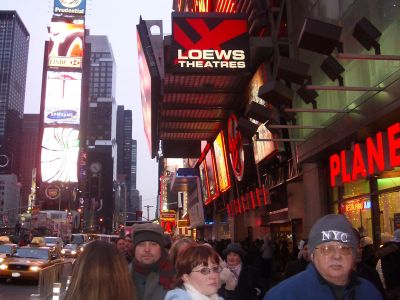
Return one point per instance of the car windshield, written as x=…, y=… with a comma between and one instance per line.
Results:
x=70, y=246
x=32, y=253
x=50, y=240
x=5, y=249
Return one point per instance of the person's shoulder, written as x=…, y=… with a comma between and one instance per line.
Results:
x=177, y=294
x=368, y=289
x=287, y=288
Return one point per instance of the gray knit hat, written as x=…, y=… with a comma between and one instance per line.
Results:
x=332, y=228
x=148, y=232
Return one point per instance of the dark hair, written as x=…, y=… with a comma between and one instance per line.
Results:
x=118, y=239
x=192, y=257
x=100, y=273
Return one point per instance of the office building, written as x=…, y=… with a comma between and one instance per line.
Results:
x=14, y=45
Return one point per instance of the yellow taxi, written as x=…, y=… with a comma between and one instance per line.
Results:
x=26, y=263
x=7, y=249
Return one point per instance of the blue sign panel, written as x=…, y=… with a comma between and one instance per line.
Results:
x=70, y=7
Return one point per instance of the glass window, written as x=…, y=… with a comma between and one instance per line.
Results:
x=389, y=205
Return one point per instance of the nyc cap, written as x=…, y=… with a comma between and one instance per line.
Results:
x=332, y=227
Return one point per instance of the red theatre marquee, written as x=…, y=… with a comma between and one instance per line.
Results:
x=378, y=153
x=210, y=43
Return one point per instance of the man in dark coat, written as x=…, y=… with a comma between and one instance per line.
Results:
x=389, y=255
x=151, y=268
x=299, y=265
x=249, y=282
x=330, y=275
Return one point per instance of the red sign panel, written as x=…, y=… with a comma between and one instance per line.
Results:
x=236, y=152
x=210, y=43
x=378, y=153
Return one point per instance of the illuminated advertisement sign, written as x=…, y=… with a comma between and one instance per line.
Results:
x=263, y=149
x=379, y=153
x=355, y=205
x=221, y=163
x=145, y=92
x=66, y=45
x=203, y=181
x=59, y=156
x=211, y=176
x=236, y=152
x=210, y=43
x=63, y=98
x=70, y=7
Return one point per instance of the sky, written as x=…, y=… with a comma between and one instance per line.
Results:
x=116, y=19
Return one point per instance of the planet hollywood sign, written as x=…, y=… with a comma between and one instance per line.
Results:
x=379, y=153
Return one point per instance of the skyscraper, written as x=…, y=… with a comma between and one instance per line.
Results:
x=14, y=45
x=101, y=128
x=29, y=142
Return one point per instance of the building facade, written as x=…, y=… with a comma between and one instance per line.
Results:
x=10, y=198
x=100, y=137
x=14, y=45
x=29, y=141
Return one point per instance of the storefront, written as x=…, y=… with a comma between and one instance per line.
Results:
x=365, y=184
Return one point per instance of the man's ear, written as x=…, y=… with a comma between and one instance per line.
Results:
x=312, y=256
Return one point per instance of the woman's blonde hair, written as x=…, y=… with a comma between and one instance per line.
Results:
x=176, y=246
x=101, y=273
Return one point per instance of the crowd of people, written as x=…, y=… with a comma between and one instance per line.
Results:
x=335, y=262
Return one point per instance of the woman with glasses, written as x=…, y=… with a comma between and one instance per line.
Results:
x=197, y=270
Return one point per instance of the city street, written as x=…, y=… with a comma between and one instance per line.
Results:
x=23, y=289
x=17, y=289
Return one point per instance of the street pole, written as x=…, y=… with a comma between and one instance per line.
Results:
x=148, y=207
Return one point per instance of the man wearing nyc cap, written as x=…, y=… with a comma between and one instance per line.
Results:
x=151, y=269
x=332, y=244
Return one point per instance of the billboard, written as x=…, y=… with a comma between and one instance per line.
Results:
x=70, y=7
x=66, y=45
x=59, y=155
x=63, y=98
x=203, y=181
x=263, y=149
x=221, y=163
x=145, y=92
x=210, y=43
x=211, y=176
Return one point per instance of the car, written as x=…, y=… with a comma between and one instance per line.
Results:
x=71, y=250
x=4, y=239
x=38, y=241
x=26, y=263
x=54, y=243
x=7, y=249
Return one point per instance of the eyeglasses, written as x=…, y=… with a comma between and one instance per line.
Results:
x=206, y=270
x=331, y=249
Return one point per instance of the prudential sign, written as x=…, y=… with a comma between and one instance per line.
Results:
x=210, y=43
x=70, y=7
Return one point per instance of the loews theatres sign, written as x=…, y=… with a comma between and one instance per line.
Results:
x=379, y=153
x=216, y=43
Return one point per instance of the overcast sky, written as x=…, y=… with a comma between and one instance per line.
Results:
x=117, y=19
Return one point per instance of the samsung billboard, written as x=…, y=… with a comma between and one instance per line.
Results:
x=63, y=98
x=210, y=43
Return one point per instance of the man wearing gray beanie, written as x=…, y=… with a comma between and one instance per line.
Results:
x=152, y=271
x=332, y=243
